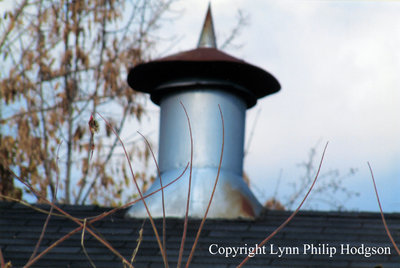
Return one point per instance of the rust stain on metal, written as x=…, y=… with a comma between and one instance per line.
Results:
x=247, y=207
x=240, y=204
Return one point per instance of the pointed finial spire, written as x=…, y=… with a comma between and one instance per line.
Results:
x=207, y=36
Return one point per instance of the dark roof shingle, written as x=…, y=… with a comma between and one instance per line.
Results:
x=20, y=228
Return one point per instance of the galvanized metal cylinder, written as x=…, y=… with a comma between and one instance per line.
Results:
x=202, y=108
x=233, y=198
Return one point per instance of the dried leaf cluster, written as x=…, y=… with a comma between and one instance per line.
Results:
x=61, y=62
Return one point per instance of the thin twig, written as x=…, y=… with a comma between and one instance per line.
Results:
x=107, y=159
x=50, y=212
x=81, y=226
x=105, y=214
x=83, y=244
x=212, y=194
x=164, y=234
x=163, y=253
x=248, y=143
x=190, y=184
x=291, y=216
x=381, y=210
x=105, y=243
x=139, y=241
x=99, y=217
x=18, y=12
x=2, y=262
x=22, y=202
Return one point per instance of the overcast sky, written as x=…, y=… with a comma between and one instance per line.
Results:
x=338, y=63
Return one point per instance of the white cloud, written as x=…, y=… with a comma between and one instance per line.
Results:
x=338, y=63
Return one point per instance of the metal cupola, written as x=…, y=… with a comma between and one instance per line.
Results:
x=202, y=79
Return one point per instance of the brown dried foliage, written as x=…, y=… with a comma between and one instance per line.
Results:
x=62, y=61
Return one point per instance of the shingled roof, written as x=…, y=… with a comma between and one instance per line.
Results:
x=20, y=228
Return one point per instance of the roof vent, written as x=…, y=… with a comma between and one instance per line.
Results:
x=202, y=79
